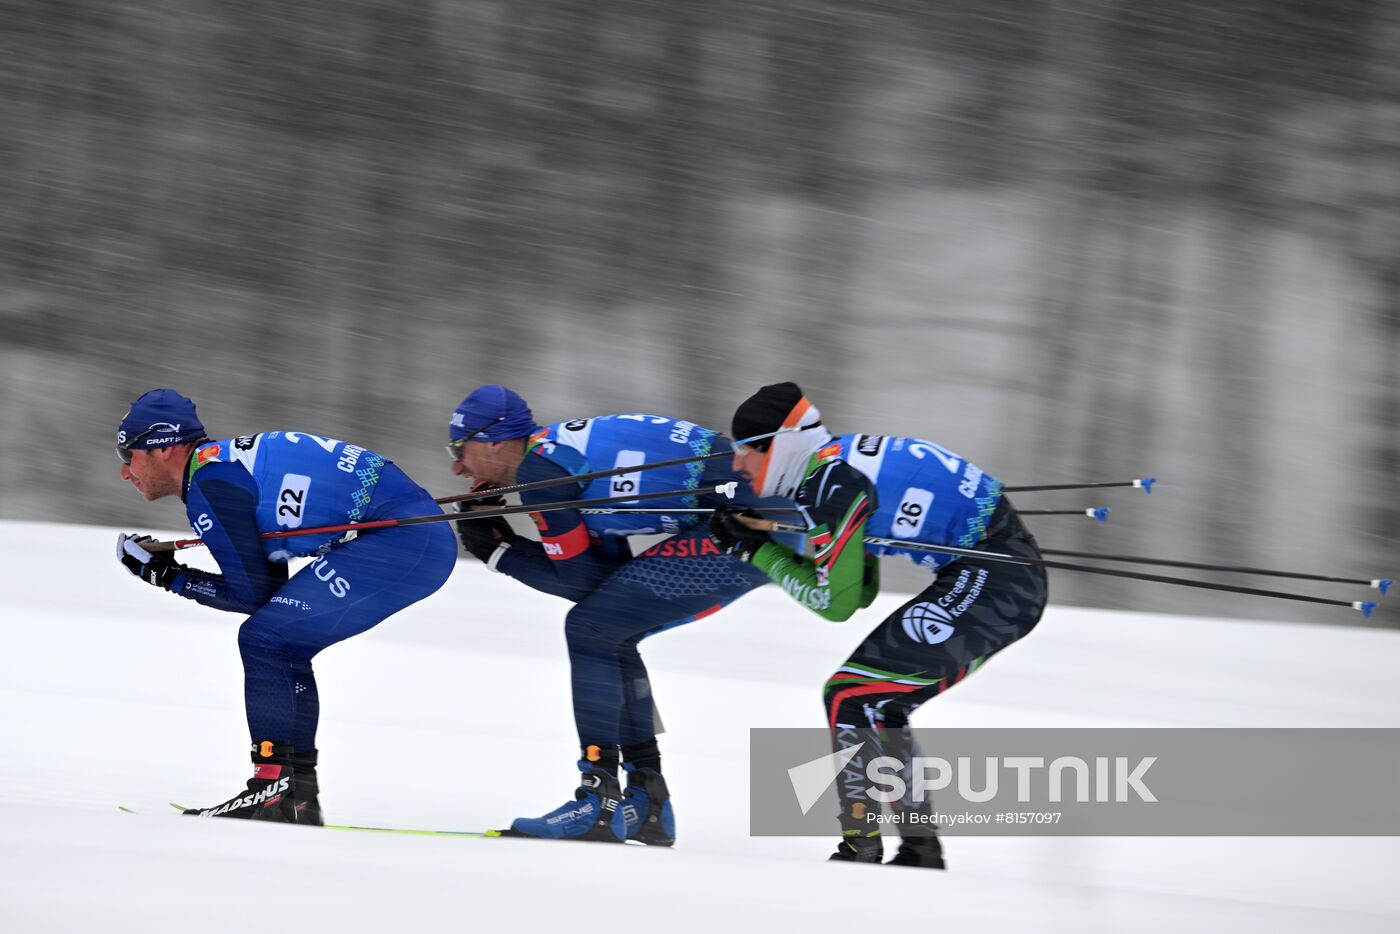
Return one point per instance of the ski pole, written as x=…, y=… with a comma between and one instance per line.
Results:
x=1093, y=512
x=599, y=474
x=1366, y=607
x=1381, y=584
x=623, y=510
x=1141, y=483
x=724, y=489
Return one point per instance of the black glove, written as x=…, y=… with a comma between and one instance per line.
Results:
x=481, y=537
x=732, y=536
x=156, y=568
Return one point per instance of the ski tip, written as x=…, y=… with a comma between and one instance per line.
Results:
x=1383, y=585
x=1367, y=607
x=123, y=807
x=1098, y=512
x=1145, y=484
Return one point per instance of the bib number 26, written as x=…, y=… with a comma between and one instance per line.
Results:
x=913, y=509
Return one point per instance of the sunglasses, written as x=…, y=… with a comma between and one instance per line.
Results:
x=763, y=444
x=455, y=448
x=124, y=451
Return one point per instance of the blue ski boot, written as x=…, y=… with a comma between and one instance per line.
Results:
x=592, y=815
x=646, y=807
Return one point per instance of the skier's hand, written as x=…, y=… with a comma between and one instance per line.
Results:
x=156, y=568
x=481, y=537
x=733, y=535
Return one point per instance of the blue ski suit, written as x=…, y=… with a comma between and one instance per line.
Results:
x=235, y=490
x=620, y=599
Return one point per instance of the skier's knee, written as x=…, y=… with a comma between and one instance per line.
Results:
x=257, y=638
x=586, y=627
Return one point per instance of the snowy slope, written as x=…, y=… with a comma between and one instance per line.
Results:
x=455, y=714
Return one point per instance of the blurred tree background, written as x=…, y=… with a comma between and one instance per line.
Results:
x=1074, y=240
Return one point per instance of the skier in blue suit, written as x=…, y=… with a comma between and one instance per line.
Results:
x=619, y=598
x=236, y=489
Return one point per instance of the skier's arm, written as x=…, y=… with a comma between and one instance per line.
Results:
x=834, y=582
x=226, y=496
x=562, y=562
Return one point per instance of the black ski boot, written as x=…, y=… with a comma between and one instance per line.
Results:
x=919, y=846
x=269, y=795
x=859, y=843
x=925, y=852
x=859, y=849
x=646, y=807
x=305, y=789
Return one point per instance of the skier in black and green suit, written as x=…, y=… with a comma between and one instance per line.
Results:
x=900, y=489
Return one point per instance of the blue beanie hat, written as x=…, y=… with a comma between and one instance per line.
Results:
x=492, y=413
x=158, y=419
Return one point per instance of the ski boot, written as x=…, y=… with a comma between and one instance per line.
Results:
x=919, y=846
x=646, y=808
x=859, y=848
x=592, y=815
x=269, y=795
x=305, y=789
x=925, y=852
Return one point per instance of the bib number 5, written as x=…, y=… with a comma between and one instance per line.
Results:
x=626, y=483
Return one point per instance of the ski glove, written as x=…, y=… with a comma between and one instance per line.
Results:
x=158, y=569
x=481, y=537
x=733, y=536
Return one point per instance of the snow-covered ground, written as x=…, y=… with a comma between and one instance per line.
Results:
x=455, y=714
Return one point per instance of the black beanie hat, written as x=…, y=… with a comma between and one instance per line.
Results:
x=764, y=412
